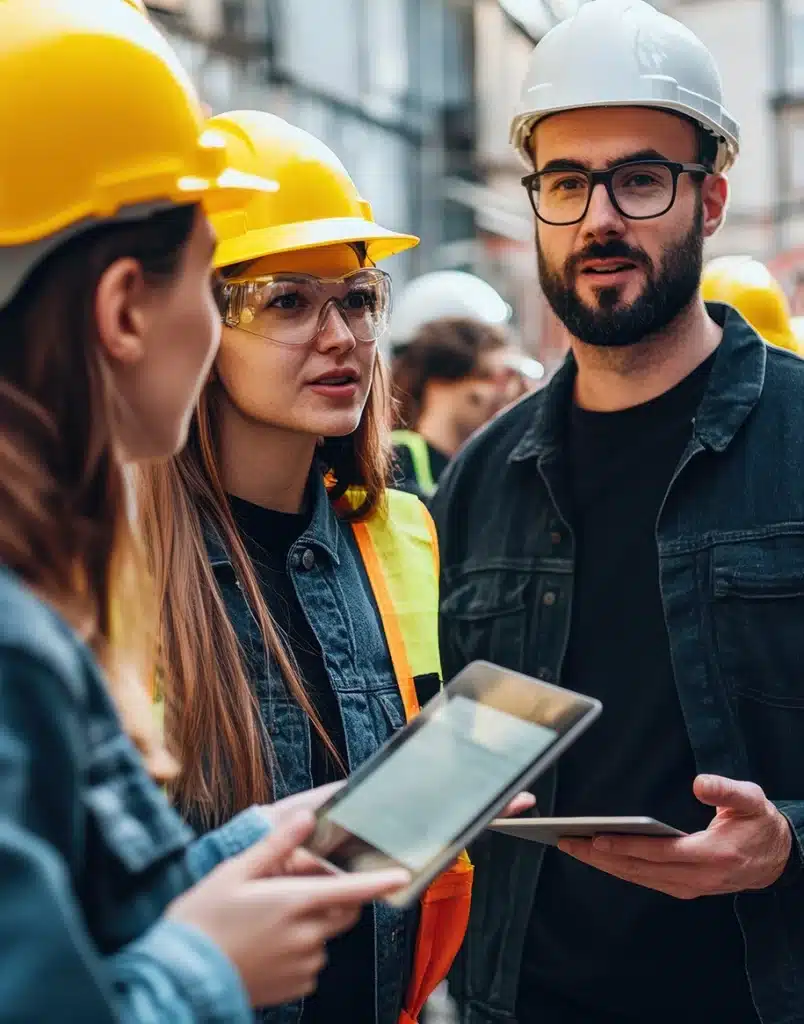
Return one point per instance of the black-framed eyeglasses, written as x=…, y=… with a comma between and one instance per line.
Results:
x=638, y=189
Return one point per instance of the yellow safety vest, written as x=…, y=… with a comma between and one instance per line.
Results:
x=419, y=456
x=399, y=549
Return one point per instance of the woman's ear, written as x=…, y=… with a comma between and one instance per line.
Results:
x=120, y=312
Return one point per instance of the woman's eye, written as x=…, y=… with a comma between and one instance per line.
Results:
x=291, y=300
x=361, y=300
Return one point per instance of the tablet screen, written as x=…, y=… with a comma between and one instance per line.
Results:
x=467, y=750
x=440, y=780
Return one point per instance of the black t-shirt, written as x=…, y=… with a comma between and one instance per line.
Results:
x=601, y=949
x=346, y=985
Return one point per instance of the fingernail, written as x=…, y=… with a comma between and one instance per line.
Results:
x=602, y=843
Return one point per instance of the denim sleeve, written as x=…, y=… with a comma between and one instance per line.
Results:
x=51, y=965
x=793, y=810
x=232, y=838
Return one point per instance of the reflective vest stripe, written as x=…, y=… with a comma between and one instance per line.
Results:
x=391, y=627
x=419, y=456
x=400, y=552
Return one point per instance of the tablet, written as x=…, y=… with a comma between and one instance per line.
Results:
x=550, y=830
x=438, y=782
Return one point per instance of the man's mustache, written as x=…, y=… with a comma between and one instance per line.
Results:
x=615, y=249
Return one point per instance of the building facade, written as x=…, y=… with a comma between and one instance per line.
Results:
x=388, y=84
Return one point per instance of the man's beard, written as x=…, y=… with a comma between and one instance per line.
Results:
x=664, y=296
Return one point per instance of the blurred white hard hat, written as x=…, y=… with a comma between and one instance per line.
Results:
x=624, y=53
x=445, y=293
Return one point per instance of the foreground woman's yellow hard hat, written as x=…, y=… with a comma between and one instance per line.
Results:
x=100, y=116
x=317, y=203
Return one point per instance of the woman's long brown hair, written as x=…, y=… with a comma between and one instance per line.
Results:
x=212, y=719
x=65, y=528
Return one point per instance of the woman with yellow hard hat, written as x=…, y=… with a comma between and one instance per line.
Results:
x=108, y=911
x=299, y=596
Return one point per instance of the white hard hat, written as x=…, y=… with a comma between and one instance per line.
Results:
x=445, y=293
x=615, y=53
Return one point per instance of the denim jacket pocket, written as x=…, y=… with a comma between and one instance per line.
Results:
x=485, y=610
x=758, y=621
x=758, y=613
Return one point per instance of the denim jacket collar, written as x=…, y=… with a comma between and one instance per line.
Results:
x=322, y=533
x=735, y=385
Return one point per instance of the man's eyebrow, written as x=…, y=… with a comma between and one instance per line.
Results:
x=565, y=164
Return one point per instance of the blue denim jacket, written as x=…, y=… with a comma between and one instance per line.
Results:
x=730, y=541
x=334, y=591
x=90, y=852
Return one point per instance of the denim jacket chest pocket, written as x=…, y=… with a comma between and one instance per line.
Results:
x=132, y=836
x=509, y=611
x=485, y=612
x=757, y=591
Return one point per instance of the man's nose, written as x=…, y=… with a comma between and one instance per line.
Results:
x=603, y=219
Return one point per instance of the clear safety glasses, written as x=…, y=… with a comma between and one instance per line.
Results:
x=291, y=309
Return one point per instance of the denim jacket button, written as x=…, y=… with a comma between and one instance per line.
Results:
x=549, y=598
x=295, y=560
x=308, y=559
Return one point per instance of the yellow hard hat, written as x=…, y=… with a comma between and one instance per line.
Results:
x=101, y=118
x=138, y=5
x=317, y=203
x=748, y=286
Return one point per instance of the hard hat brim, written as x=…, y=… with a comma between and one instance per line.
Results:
x=251, y=245
x=726, y=131
x=226, y=192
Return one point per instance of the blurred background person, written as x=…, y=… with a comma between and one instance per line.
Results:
x=454, y=365
x=449, y=381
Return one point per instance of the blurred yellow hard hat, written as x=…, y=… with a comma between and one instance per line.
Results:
x=138, y=5
x=100, y=117
x=748, y=286
x=317, y=202
x=797, y=325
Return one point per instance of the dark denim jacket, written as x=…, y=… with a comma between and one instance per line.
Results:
x=90, y=852
x=334, y=592
x=731, y=560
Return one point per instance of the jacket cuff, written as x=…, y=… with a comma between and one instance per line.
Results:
x=234, y=837
x=793, y=811
x=201, y=976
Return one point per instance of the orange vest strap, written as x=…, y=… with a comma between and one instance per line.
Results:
x=399, y=549
x=390, y=620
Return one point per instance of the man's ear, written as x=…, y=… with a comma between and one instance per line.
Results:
x=120, y=311
x=715, y=198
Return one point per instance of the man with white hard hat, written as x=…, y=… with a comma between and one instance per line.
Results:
x=445, y=294
x=635, y=531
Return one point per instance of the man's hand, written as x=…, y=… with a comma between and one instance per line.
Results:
x=746, y=846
